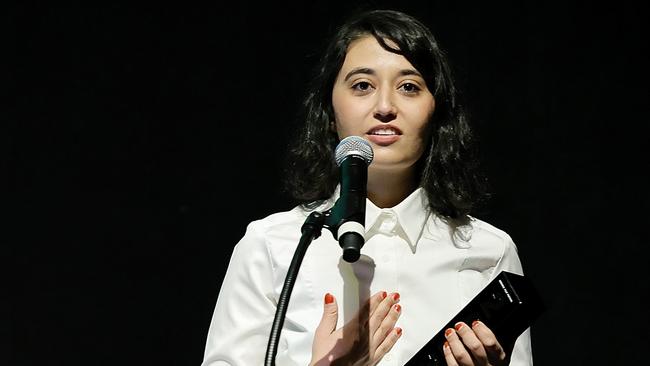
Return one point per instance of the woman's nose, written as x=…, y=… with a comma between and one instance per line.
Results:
x=385, y=110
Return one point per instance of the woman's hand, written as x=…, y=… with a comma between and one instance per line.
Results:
x=477, y=345
x=364, y=340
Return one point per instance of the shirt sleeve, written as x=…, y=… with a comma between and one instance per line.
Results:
x=245, y=308
x=522, y=354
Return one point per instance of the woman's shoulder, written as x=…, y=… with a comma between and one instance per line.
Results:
x=277, y=219
x=488, y=229
x=259, y=231
x=475, y=233
x=291, y=217
x=488, y=234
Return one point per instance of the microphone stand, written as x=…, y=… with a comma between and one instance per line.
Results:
x=311, y=230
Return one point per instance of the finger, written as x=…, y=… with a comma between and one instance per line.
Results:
x=472, y=343
x=330, y=317
x=371, y=305
x=387, y=343
x=458, y=350
x=492, y=346
x=386, y=325
x=376, y=299
x=377, y=316
x=449, y=356
x=363, y=315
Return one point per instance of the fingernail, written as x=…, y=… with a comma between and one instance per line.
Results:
x=448, y=332
x=398, y=331
x=458, y=326
x=396, y=296
x=474, y=323
x=398, y=307
x=383, y=294
x=446, y=345
x=329, y=298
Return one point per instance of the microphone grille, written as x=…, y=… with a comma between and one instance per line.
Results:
x=353, y=145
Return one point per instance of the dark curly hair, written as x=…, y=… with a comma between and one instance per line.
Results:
x=447, y=169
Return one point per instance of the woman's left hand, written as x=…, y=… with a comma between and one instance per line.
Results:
x=475, y=345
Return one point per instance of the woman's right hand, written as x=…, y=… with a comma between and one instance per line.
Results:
x=364, y=340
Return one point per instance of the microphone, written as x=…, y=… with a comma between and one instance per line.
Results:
x=347, y=219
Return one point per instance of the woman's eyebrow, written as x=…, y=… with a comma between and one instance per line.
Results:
x=407, y=72
x=369, y=71
x=359, y=70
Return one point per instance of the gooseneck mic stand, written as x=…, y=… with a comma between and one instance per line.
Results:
x=311, y=230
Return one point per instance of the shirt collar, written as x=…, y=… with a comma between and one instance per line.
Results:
x=411, y=214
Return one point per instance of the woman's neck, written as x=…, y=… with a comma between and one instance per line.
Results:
x=388, y=188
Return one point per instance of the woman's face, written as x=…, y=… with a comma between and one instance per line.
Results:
x=381, y=97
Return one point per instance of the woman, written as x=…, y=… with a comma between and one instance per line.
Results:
x=383, y=78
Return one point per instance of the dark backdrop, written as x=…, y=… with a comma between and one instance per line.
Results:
x=140, y=140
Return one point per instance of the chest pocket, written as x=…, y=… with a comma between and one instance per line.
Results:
x=474, y=273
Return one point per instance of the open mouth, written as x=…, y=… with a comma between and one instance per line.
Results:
x=384, y=131
x=384, y=135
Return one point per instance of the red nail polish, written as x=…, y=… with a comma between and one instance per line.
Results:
x=398, y=308
x=329, y=298
x=446, y=345
x=398, y=331
x=396, y=296
x=458, y=326
x=383, y=294
x=474, y=323
x=448, y=332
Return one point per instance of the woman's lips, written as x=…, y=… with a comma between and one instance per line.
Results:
x=384, y=135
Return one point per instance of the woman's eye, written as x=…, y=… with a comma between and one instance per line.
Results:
x=362, y=86
x=410, y=88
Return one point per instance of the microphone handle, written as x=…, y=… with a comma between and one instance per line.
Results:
x=354, y=178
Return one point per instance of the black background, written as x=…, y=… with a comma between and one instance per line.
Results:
x=140, y=140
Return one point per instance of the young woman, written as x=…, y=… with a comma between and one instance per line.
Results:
x=383, y=78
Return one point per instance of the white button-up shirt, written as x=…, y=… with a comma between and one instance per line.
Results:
x=407, y=250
